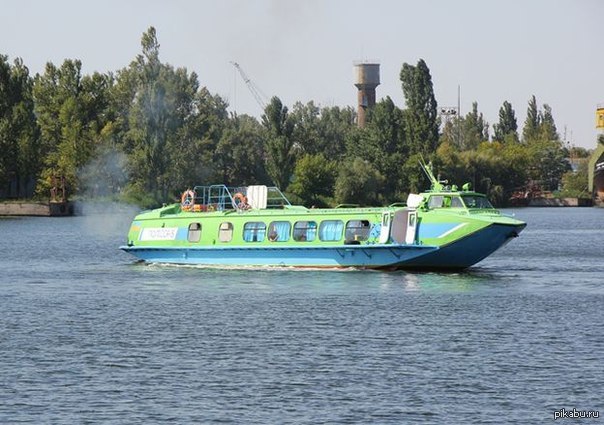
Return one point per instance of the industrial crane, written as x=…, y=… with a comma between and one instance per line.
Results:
x=256, y=92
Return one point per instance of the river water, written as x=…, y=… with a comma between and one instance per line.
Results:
x=87, y=335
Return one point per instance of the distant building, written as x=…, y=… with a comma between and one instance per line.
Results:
x=366, y=79
x=596, y=162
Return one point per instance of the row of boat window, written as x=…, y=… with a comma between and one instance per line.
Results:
x=470, y=201
x=282, y=231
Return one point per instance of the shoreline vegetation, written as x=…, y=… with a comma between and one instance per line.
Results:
x=144, y=133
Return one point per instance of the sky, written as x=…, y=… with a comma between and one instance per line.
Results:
x=303, y=50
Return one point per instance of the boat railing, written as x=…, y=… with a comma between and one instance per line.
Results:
x=275, y=198
x=216, y=197
x=492, y=211
x=221, y=197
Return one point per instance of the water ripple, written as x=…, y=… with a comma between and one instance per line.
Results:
x=89, y=336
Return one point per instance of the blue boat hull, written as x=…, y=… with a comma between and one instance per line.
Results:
x=367, y=256
x=468, y=250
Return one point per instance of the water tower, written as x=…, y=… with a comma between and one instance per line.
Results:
x=366, y=79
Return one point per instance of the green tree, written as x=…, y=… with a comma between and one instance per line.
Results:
x=172, y=126
x=547, y=128
x=280, y=147
x=506, y=130
x=547, y=156
x=413, y=179
x=496, y=169
x=19, y=150
x=6, y=154
x=358, y=182
x=239, y=155
x=336, y=125
x=386, y=125
x=574, y=183
x=578, y=152
x=451, y=133
x=306, y=131
x=548, y=161
x=421, y=118
x=466, y=133
x=475, y=129
x=383, y=144
x=70, y=109
x=201, y=120
x=314, y=179
x=532, y=124
x=150, y=122
x=322, y=130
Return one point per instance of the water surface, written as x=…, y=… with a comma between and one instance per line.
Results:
x=87, y=335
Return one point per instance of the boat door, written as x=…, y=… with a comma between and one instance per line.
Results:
x=404, y=226
x=411, y=227
x=385, y=229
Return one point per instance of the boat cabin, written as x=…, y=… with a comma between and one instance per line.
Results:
x=468, y=200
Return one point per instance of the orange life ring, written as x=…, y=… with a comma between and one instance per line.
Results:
x=187, y=200
x=240, y=201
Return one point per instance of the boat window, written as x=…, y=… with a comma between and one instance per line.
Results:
x=194, y=232
x=411, y=221
x=331, y=230
x=278, y=231
x=456, y=202
x=254, y=231
x=435, y=201
x=357, y=230
x=477, y=201
x=305, y=231
x=451, y=202
x=225, y=232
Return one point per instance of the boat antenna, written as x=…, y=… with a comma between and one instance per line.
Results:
x=436, y=185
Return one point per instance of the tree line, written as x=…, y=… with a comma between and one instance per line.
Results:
x=148, y=131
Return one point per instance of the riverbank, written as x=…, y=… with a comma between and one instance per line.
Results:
x=36, y=209
x=560, y=202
